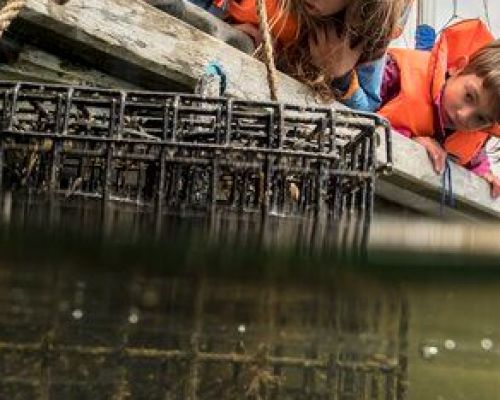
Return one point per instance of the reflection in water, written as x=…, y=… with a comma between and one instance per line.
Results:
x=127, y=313
x=220, y=226
x=453, y=337
x=130, y=313
x=68, y=332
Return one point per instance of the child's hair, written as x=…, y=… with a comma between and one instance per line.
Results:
x=485, y=63
x=367, y=23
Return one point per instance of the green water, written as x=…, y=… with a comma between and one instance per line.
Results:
x=118, y=311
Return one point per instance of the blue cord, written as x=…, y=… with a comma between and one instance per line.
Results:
x=447, y=198
x=215, y=68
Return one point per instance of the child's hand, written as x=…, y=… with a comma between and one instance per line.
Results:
x=252, y=31
x=332, y=53
x=495, y=187
x=436, y=153
x=494, y=181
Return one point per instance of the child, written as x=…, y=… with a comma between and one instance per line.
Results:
x=449, y=100
x=366, y=28
x=321, y=42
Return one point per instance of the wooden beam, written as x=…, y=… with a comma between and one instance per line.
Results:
x=413, y=172
x=134, y=40
x=138, y=43
x=36, y=65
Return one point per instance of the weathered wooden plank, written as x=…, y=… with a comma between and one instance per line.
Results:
x=138, y=37
x=418, y=204
x=35, y=65
x=414, y=172
x=138, y=43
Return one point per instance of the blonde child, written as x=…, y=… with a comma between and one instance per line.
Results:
x=342, y=55
x=334, y=46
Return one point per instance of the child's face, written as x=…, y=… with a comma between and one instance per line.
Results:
x=466, y=104
x=324, y=8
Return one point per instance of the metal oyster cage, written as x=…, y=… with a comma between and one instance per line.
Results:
x=183, y=152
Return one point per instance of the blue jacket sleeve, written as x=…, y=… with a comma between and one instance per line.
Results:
x=366, y=96
x=218, y=11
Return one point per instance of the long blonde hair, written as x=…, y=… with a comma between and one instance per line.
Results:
x=367, y=23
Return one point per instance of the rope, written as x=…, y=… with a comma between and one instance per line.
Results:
x=272, y=76
x=9, y=12
x=215, y=69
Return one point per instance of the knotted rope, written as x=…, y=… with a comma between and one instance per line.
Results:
x=9, y=12
x=272, y=76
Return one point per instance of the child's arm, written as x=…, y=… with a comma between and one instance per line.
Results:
x=481, y=166
x=435, y=151
x=438, y=158
x=363, y=90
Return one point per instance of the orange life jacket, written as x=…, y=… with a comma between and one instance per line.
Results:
x=283, y=27
x=423, y=76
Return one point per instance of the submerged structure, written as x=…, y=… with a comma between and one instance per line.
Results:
x=212, y=338
x=173, y=152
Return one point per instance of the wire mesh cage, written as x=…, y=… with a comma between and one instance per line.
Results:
x=176, y=152
x=95, y=336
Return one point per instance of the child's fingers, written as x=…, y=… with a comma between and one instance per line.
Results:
x=438, y=160
x=495, y=187
x=436, y=163
x=436, y=153
x=441, y=164
x=313, y=36
x=495, y=191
